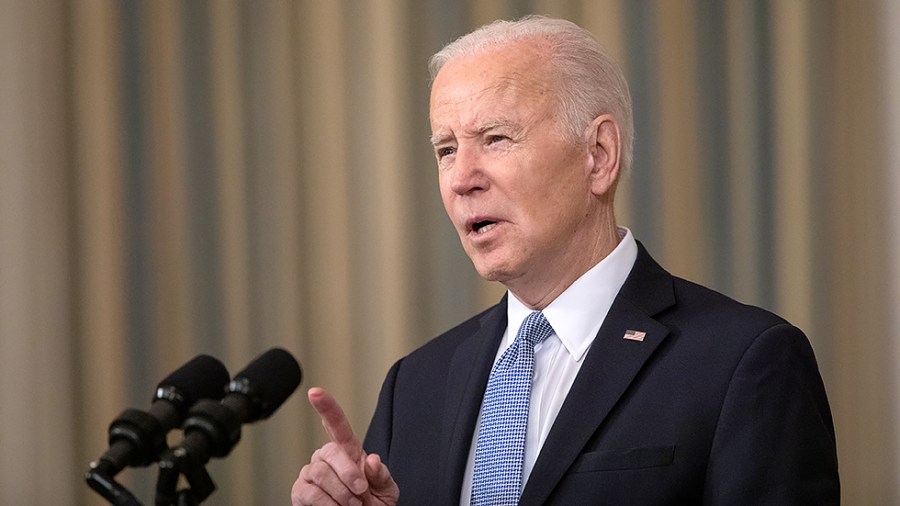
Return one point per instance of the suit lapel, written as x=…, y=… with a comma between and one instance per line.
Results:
x=609, y=368
x=467, y=378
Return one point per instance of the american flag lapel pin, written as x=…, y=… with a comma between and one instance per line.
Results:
x=634, y=335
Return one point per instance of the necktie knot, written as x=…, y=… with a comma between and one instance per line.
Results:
x=535, y=329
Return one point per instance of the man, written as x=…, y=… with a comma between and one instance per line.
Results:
x=640, y=388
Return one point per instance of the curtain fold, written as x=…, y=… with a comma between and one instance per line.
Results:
x=224, y=177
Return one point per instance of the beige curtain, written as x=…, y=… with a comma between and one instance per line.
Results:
x=223, y=177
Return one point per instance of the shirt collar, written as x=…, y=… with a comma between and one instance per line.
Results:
x=577, y=314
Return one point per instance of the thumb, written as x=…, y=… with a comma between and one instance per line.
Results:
x=381, y=484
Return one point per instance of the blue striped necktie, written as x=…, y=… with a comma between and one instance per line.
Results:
x=500, y=452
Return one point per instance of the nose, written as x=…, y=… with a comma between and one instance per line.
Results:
x=467, y=175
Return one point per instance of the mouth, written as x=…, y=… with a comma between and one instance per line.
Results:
x=479, y=226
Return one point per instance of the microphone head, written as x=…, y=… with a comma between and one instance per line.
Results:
x=204, y=377
x=267, y=382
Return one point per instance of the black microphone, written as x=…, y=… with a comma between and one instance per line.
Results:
x=137, y=438
x=212, y=429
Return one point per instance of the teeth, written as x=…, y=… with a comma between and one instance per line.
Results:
x=485, y=228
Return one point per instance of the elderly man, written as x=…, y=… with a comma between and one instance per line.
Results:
x=599, y=378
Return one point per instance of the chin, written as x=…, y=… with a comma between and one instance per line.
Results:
x=496, y=264
x=499, y=273
x=490, y=276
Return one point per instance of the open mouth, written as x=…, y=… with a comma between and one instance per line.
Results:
x=480, y=227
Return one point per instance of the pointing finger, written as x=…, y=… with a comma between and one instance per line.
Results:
x=335, y=421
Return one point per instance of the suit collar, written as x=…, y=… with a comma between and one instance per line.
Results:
x=610, y=367
x=649, y=287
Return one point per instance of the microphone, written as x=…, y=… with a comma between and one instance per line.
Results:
x=137, y=438
x=212, y=429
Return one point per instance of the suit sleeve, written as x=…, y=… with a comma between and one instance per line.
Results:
x=774, y=441
x=378, y=437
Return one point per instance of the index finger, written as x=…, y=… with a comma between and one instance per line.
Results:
x=335, y=421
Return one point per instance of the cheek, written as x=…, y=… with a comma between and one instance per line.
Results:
x=557, y=205
x=443, y=187
x=447, y=198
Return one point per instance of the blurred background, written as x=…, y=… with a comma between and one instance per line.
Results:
x=222, y=177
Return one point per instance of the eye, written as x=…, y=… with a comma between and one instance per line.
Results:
x=445, y=151
x=493, y=139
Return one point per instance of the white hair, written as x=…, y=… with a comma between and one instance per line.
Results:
x=590, y=83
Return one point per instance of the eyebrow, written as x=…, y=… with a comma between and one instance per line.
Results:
x=441, y=138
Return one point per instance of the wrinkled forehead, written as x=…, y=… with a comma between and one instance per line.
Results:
x=505, y=90
x=490, y=79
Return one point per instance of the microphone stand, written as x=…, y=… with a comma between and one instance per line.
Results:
x=174, y=463
x=99, y=478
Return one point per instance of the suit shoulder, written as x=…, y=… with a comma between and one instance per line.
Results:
x=686, y=304
x=703, y=304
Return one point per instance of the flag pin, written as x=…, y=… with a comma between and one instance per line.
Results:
x=634, y=335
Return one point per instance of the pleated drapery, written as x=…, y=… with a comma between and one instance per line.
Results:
x=223, y=177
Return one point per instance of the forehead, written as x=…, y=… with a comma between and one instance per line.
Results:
x=506, y=81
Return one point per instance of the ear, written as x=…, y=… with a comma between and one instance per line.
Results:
x=605, y=153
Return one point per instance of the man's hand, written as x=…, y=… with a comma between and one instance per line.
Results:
x=340, y=472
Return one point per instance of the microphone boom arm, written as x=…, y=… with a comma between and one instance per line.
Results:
x=100, y=480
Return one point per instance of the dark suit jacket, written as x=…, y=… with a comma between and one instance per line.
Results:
x=721, y=403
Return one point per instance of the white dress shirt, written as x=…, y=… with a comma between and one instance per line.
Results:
x=576, y=316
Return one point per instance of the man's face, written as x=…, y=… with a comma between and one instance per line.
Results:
x=515, y=186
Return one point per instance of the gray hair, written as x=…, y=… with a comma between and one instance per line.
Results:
x=591, y=83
